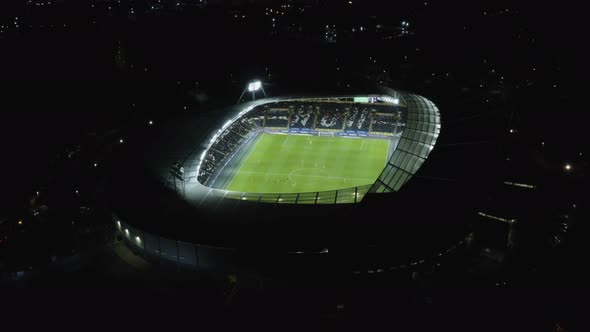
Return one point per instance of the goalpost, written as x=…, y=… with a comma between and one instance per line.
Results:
x=326, y=133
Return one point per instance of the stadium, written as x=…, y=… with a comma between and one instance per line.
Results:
x=336, y=179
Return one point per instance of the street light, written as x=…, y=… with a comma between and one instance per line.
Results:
x=567, y=167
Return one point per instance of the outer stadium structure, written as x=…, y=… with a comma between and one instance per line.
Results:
x=405, y=218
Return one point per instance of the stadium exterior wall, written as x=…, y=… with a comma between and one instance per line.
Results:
x=198, y=257
x=170, y=251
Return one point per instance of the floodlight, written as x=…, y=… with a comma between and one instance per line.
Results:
x=390, y=100
x=254, y=86
x=567, y=167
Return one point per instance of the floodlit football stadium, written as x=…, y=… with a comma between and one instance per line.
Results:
x=329, y=150
x=287, y=175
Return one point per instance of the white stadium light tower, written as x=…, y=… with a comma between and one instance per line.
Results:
x=252, y=87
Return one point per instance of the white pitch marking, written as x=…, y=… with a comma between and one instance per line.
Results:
x=310, y=176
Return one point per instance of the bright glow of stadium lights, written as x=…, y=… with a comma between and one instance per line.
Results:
x=567, y=167
x=226, y=125
x=118, y=223
x=95, y=165
x=121, y=141
x=246, y=110
x=126, y=232
x=150, y=122
x=138, y=239
x=390, y=100
x=20, y=222
x=254, y=86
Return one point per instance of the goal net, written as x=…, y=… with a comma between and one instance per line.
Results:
x=326, y=133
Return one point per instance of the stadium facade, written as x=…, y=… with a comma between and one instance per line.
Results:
x=183, y=219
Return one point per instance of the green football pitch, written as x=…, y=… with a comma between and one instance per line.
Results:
x=296, y=164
